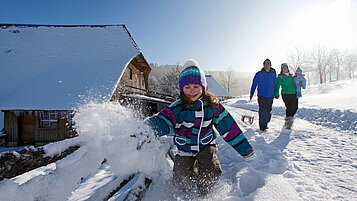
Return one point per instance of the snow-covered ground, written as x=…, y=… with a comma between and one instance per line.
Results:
x=331, y=105
x=316, y=160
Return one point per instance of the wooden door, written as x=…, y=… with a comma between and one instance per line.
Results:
x=28, y=129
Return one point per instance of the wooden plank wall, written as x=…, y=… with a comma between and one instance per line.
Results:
x=52, y=135
x=11, y=127
x=40, y=135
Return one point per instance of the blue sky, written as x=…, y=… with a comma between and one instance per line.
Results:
x=221, y=34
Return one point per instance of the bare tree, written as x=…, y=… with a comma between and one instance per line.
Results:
x=320, y=62
x=318, y=59
x=339, y=57
x=153, y=77
x=330, y=65
x=351, y=64
x=169, y=81
x=164, y=78
x=299, y=58
x=227, y=79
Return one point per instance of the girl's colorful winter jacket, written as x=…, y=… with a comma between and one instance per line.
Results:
x=287, y=85
x=266, y=83
x=297, y=80
x=192, y=132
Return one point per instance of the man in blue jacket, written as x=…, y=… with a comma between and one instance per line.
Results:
x=266, y=81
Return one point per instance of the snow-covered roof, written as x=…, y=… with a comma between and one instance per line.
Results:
x=216, y=88
x=56, y=67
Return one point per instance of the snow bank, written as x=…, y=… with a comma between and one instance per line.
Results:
x=329, y=117
x=56, y=148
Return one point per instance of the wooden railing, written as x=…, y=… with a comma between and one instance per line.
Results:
x=134, y=90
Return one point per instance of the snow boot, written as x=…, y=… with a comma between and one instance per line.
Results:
x=289, y=122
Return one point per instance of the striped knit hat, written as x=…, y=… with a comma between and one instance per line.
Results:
x=192, y=74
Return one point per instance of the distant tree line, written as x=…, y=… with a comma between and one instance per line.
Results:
x=322, y=64
x=164, y=79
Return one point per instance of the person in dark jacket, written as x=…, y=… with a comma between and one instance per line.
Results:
x=265, y=79
x=192, y=119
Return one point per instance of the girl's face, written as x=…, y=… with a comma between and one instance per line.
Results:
x=192, y=91
x=285, y=70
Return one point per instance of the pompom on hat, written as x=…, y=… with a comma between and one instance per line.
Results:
x=192, y=74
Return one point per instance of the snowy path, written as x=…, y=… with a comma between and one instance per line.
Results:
x=325, y=157
x=322, y=162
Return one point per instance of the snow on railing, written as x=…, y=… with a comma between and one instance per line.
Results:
x=130, y=90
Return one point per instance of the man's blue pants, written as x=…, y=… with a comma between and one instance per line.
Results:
x=265, y=106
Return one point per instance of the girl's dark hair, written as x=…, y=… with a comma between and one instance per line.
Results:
x=210, y=98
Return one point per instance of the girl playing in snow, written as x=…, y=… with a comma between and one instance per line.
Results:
x=300, y=82
x=191, y=119
x=288, y=92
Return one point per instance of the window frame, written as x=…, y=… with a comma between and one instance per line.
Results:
x=48, y=120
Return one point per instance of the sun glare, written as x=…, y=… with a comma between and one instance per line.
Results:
x=329, y=26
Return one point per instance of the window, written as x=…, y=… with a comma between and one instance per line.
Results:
x=131, y=73
x=48, y=120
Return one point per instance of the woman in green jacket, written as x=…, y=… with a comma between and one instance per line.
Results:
x=288, y=92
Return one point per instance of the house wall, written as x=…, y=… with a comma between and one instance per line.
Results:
x=137, y=85
x=25, y=130
x=10, y=125
x=2, y=141
x=125, y=83
x=45, y=135
x=137, y=80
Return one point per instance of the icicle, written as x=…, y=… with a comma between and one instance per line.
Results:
x=18, y=113
x=63, y=114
